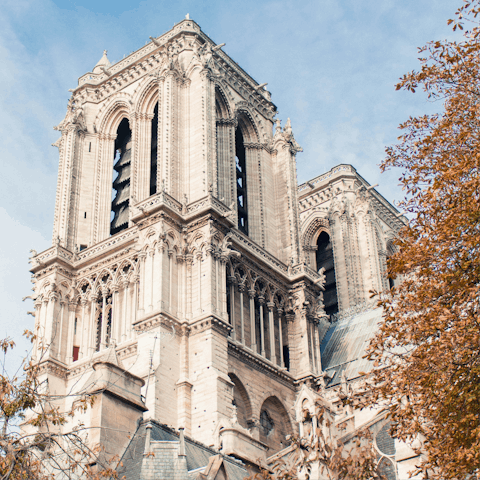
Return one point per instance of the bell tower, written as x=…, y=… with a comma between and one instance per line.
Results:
x=176, y=251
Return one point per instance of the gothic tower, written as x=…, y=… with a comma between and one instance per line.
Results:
x=184, y=281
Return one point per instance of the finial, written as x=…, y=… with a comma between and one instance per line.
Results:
x=278, y=127
x=187, y=16
x=105, y=52
x=288, y=126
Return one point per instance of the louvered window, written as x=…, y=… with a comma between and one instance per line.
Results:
x=241, y=173
x=153, y=152
x=121, y=182
x=325, y=260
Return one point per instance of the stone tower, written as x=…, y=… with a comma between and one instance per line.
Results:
x=187, y=269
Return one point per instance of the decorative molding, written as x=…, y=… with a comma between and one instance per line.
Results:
x=261, y=364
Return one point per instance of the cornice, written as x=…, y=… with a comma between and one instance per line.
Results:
x=255, y=361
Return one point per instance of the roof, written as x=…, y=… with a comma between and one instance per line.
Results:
x=345, y=343
x=198, y=455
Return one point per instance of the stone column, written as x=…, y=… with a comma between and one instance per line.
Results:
x=261, y=301
x=231, y=286
x=280, y=335
x=93, y=326
x=84, y=333
x=71, y=332
x=189, y=273
x=136, y=280
x=125, y=285
x=49, y=325
x=273, y=353
x=290, y=320
x=184, y=386
x=60, y=331
x=116, y=322
x=317, y=341
x=314, y=346
x=241, y=289
x=38, y=328
x=181, y=291
x=152, y=273
x=223, y=293
x=171, y=254
x=217, y=288
x=103, y=342
x=344, y=289
x=142, y=257
x=160, y=250
x=199, y=260
x=253, y=340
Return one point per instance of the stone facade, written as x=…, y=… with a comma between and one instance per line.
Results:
x=205, y=291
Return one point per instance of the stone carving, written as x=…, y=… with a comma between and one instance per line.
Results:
x=73, y=118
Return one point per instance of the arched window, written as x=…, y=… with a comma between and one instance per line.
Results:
x=274, y=424
x=153, y=152
x=241, y=173
x=325, y=260
x=103, y=323
x=121, y=182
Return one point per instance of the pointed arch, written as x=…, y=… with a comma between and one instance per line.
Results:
x=275, y=424
x=241, y=401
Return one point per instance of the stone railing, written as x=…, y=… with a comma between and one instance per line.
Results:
x=325, y=176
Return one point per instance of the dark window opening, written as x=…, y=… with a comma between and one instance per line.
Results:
x=83, y=247
x=121, y=183
x=258, y=331
x=153, y=152
x=85, y=215
x=90, y=147
x=75, y=353
x=266, y=423
x=241, y=172
x=229, y=313
x=75, y=327
x=286, y=357
x=325, y=260
x=390, y=252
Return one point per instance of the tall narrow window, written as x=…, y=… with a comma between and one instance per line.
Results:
x=103, y=323
x=241, y=172
x=325, y=260
x=121, y=182
x=153, y=152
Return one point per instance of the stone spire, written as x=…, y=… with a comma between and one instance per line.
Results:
x=103, y=62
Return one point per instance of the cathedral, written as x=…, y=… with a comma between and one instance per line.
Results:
x=192, y=285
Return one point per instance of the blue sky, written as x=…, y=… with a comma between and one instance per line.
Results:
x=331, y=67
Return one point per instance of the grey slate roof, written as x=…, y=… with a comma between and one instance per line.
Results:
x=197, y=454
x=345, y=343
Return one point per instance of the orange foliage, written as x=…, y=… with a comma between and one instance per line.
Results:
x=428, y=348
